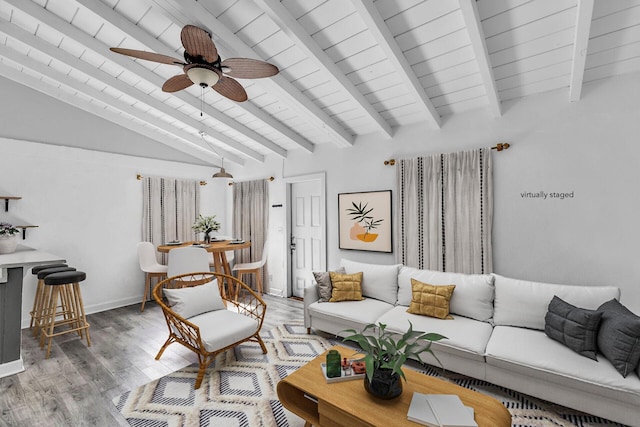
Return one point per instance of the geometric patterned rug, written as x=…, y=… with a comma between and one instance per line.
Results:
x=239, y=390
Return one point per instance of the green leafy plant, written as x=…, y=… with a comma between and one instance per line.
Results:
x=206, y=224
x=360, y=214
x=7, y=229
x=383, y=351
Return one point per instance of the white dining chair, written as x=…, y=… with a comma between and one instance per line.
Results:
x=253, y=268
x=188, y=259
x=150, y=266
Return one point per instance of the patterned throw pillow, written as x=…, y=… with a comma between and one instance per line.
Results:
x=430, y=300
x=324, y=284
x=346, y=287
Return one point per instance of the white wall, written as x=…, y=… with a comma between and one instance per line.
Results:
x=88, y=206
x=589, y=148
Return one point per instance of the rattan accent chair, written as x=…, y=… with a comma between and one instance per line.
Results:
x=210, y=333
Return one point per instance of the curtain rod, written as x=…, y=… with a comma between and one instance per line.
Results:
x=140, y=177
x=266, y=179
x=498, y=147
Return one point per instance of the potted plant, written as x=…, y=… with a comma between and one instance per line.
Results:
x=384, y=355
x=206, y=224
x=364, y=222
x=8, y=238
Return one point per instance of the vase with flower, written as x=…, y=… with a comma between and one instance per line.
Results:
x=8, y=238
x=206, y=224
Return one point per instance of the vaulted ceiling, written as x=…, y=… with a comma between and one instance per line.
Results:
x=348, y=68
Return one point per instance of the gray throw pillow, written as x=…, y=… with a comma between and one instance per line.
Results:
x=577, y=328
x=324, y=283
x=619, y=336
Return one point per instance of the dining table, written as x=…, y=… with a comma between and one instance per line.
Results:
x=217, y=248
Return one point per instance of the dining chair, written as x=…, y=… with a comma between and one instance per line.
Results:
x=150, y=266
x=230, y=255
x=188, y=259
x=253, y=268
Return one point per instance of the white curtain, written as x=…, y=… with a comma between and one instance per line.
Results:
x=169, y=209
x=250, y=222
x=445, y=212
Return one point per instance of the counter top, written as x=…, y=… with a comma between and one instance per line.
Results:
x=25, y=256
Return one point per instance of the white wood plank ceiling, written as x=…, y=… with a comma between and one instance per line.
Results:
x=348, y=68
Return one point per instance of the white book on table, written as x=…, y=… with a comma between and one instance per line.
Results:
x=440, y=410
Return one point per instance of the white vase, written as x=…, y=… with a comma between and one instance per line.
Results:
x=8, y=244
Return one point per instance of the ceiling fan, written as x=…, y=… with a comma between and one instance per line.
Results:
x=202, y=66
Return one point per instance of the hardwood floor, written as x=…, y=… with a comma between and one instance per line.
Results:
x=74, y=387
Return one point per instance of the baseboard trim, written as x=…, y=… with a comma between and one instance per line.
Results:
x=11, y=368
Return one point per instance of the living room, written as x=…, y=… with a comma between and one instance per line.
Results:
x=87, y=202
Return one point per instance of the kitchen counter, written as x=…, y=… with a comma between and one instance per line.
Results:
x=13, y=268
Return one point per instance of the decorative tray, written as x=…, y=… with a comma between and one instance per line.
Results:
x=342, y=377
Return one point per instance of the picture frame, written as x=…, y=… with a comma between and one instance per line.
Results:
x=365, y=222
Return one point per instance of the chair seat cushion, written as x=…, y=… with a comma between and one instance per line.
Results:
x=222, y=328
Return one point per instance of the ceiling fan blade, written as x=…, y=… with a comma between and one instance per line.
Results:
x=230, y=88
x=246, y=68
x=148, y=56
x=197, y=42
x=176, y=83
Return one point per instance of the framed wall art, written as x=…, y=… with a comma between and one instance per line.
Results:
x=364, y=221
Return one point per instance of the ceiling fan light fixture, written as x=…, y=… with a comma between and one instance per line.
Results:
x=204, y=77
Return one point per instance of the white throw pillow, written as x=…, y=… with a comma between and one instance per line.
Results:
x=194, y=300
x=525, y=304
x=378, y=281
x=472, y=297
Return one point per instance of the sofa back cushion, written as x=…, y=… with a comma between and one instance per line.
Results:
x=378, y=281
x=524, y=304
x=473, y=296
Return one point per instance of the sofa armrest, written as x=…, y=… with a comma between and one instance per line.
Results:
x=311, y=295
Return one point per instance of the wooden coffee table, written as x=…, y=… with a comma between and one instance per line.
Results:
x=307, y=394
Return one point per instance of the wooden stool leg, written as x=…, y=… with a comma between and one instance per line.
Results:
x=36, y=302
x=147, y=284
x=51, y=318
x=83, y=318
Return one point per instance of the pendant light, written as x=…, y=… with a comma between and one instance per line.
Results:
x=221, y=173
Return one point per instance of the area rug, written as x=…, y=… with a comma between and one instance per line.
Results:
x=239, y=390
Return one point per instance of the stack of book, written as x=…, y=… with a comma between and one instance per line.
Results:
x=440, y=410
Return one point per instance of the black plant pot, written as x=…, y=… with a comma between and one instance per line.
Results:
x=384, y=384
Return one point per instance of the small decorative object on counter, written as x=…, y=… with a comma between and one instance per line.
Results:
x=8, y=238
x=333, y=364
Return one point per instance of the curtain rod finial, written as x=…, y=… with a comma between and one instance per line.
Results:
x=501, y=146
x=390, y=162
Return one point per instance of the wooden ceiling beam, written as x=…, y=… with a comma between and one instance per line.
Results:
x=387, y=42
x=287, y=23
x=132, y=30
x=580, y=46
x=196, y=14
x=478, y=43
x=64, y=57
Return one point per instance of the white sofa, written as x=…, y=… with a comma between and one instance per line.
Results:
x=497, y=334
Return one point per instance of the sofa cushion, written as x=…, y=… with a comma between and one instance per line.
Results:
x=619, y=336
x=362, y=312
x=236, y=327
x=465, y=337
x=378, y=281
x=577, y=328
x=346, y=287
x=429, y=300
x=531, y=352
x=193, y=300
x=323, y=279
x=472, y=298
x=524, y=303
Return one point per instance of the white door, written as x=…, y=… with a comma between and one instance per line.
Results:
x=307, y=234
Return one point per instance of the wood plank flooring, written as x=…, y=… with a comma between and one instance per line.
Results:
x=74, y=387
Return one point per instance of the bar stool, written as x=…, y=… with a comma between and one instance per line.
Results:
x=64, y=286
x=41, y=271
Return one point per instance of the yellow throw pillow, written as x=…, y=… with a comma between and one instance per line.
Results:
x=346, y=287
x=430, y=300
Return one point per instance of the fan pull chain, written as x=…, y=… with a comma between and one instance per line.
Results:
x=201, y=100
